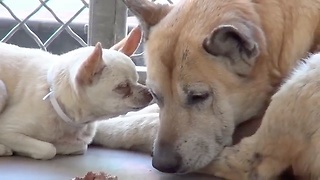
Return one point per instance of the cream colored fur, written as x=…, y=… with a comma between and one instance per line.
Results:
x=89, y=83
x=213, y=64
x=288, y=135
x=3, y=95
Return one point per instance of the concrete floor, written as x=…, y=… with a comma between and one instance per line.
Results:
x=126, y=165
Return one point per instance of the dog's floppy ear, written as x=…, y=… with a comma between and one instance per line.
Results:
x=237, y=44
x=130, y=43
x=92, y=67
x=147, y=12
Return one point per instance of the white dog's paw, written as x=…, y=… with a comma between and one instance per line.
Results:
x=5, y=151
x=47, y=151
x=71, y=148
x=81, y=151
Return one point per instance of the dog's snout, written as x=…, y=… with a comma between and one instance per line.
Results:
x=147, y=97
x=166, y=160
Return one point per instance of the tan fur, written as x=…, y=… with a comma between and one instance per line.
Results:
x=288, y=135
x=86, y=84
x=207, y=81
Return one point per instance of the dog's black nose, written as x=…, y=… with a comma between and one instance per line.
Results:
x=165, y=160
x=169, y=164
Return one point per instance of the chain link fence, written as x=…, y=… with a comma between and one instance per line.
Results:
x=43, y=4
x=64, y=24
x=59, y=26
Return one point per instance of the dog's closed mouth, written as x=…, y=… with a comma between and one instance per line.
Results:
x=137, y=108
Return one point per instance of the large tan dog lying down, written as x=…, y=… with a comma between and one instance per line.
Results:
x=288, y=136
x=212, y=64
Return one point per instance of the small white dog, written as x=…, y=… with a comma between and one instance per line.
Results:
x=3, y=95
x=49, y=104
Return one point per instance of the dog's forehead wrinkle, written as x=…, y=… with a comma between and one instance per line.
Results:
x=185, y=54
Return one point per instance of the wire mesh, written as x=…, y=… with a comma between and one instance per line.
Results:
x=64, y=24
x=22, y=24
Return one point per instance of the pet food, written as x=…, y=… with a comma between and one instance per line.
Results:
x=97, y=176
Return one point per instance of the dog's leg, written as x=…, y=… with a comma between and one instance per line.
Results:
x=71, y=148
x=3, y=95
x=251, y=159
x=234, y=162
x=5, y=151
x=134, y=132
x=27, y=146
x=307, y=166
x=153, y=108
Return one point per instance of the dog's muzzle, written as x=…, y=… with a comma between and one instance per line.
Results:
x=165, y=159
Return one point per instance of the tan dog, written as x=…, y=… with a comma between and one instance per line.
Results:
x=288, y=136
x=213, y=64
x=50, y=103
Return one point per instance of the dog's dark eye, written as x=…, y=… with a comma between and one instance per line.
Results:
x=123, y=89
x=123, y=85
x=195, y=98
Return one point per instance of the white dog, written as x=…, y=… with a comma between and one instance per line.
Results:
x=49, y=103
x=3, y=95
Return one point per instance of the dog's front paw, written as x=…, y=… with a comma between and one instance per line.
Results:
x=81, y=151
x=47, y=151
x=5, y=151
x=226, y=166
x=218, y=168
x=71, y=148
x=236, y=162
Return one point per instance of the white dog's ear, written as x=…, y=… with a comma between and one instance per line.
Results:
x=147, y=12
x=130, y=43
x=91, y=67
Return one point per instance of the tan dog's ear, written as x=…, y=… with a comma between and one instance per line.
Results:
x=91, y=67
x=147, y=12
x=237, y=44
x=129, y=44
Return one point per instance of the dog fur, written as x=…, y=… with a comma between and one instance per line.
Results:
x=288, y=135
x=211, y=65
x=89, y=83
x=3, y=95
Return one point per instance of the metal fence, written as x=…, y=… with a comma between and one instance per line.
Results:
x=107, y=22
x=22, y=24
